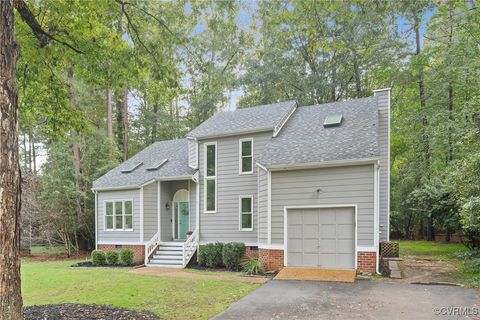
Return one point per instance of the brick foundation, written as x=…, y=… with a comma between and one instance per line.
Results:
x=366, y=262
x=138, y=250
x=251, y=252
x=271, y=259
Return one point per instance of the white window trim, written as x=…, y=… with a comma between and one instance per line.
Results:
x=123, y=215
x=240, y=157
x=206, y=178
x=240, y=212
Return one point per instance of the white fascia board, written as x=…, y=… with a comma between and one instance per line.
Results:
x=324, y=164
x=233, y=133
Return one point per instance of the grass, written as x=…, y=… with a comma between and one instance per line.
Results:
x=430, y=248
x=212, y=272
x=169, y=298
x=444, y=251
x=47, y=250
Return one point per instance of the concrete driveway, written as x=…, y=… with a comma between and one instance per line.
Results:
x=363, y=299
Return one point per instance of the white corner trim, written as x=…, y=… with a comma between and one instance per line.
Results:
x=141, y=214
x=197, y=208
x=376, y=225
x=279, y=127
x=388, y=170
x=96, y=220
x=269, y=207
x=159, y=204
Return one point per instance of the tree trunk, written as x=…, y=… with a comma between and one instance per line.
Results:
x=33, y=152
x=125, y=123
x=450, y=123
x=25, y=154
x=423, y=103
x=155, y=123
x=10, y=291
x=109, y=113
x=119, y=121
x=356, y=72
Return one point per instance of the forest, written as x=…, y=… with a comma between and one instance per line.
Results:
x=99, y=81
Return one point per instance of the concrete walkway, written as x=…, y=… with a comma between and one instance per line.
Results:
x=182, y=273
x=359, y=300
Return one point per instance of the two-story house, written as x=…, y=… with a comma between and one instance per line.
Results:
x=300, y=186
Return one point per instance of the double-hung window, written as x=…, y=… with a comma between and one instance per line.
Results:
x=119, y=215
x=246, y=213
x=210, y=180
x=246, y=156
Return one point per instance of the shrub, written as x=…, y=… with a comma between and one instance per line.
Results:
x=232, y=253
x=112, y=257
x=210, y=255
x=126, y=256
x=252, y=266
x=98, y=257
x=472, y=266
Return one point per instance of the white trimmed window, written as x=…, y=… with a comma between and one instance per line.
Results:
x=210, y=180
x=246, y=213
x=119, y=215
x=246, y=156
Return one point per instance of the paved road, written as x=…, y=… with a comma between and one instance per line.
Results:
x=280, y=299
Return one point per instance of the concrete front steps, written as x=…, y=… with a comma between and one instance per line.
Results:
x=168, y=254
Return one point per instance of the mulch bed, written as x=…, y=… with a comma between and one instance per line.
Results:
x=84, y=312
x=89, y=264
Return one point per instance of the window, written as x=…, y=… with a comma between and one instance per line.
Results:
x=246, y=213
x=210, y=179
x=119, y=215
x=246, y=155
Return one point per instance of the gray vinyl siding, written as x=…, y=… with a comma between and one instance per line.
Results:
x=192, y=153
x=150, y=214
x=384, y=188
x=118, y=236
x=339, y=185
x=262, y=206
x=224, y=224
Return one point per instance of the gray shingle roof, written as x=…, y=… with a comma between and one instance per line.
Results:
x=258, y=118
x=304, y=139
x=176, y=151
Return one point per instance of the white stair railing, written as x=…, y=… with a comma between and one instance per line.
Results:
x=189, y=247
x=151, y=245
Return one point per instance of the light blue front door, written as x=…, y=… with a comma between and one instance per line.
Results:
x=182, y=219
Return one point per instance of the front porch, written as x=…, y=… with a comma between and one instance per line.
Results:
x=170, y=238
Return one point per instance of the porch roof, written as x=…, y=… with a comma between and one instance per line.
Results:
x=122, y=176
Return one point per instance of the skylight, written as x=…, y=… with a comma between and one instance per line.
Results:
x=333, y=120
x=157, y=164
x=132, y=166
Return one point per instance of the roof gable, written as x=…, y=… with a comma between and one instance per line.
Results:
x=254, y=119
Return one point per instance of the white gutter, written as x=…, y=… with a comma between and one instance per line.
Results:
x=323, y=164
x=138, y=186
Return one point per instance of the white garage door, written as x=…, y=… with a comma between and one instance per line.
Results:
x=322, y=237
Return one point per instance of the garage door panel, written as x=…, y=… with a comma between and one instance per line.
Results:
x=310, y=259
x=295, y=231
x=295, y=245
x=322, y=237
x=310, y=231
x=327, y=231
x=327, y=260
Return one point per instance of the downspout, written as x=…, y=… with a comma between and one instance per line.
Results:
x=96, y=219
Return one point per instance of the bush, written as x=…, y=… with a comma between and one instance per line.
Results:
x=126, y=256
x=112, y=257
x=232, y=253
x=252, y=266
x=210, y=255
x=98, y=257
x=472, y=266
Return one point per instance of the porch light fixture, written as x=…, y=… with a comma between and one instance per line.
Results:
x=167, y=206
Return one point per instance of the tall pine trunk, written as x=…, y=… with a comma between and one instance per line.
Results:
x=109, y=113
x=10, y=291
x=125, y=123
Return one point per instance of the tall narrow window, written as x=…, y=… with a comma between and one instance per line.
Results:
x=210, y=180
x=246, y=156
x=118, y=215
x=246, y=213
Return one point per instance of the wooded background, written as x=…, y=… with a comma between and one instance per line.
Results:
x=114, y=76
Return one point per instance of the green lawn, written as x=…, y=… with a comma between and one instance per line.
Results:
x=170, y=298
x=430, y=248
x=443, y=251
